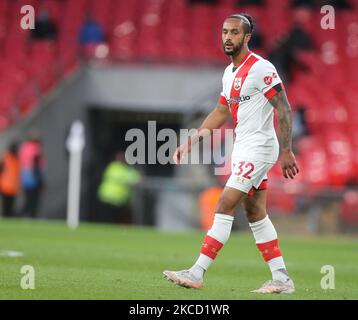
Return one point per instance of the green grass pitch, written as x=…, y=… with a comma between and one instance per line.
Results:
x=117, y=262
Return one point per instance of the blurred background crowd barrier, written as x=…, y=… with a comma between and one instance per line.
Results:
x=115, y=65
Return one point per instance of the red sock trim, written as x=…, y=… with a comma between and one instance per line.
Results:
x=211, y=247
x=269, y=250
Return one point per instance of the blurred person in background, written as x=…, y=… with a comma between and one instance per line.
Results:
x=45, y=27
x=116, y=190
x=299, y=124
x=250, y=2
x=210, y=2
x=257, y=40
x=9, y=179
x=314, y=4
x=337, y=4
x=32, y=173
x=285, y=53
x=91, y=32
x=252, y=89
x=309, y=4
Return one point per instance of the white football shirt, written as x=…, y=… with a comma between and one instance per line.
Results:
x=247, y=89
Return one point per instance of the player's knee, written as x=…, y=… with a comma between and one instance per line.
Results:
x=225, y=206
x=255, y=213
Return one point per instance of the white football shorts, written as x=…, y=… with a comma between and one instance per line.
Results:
x=247, y=176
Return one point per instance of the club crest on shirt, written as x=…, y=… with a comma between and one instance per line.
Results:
x=237, y=83
x=268, y=80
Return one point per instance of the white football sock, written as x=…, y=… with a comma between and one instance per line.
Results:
x=220, y=231
x=265, y=232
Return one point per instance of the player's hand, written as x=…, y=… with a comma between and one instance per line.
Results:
x=180, y=152
x=288, y=164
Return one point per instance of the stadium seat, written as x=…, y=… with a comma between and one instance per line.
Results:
x=125, y=30
x=176, y=45
x=339, y=156
x=4, y=122
x=44, y=51
x=102, y=13
x=313, y=163
x=349, y=212
x=352, y=131
x=188, y=31
x=283, y=194
x=28, y=100
x=150, y=28
x=7, y=102
x=278, y=200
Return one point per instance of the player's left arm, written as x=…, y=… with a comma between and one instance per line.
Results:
x=288, y=161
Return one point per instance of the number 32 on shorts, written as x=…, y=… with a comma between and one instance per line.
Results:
x=244, y=169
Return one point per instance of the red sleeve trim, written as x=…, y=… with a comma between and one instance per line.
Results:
x=272, y=92
x=222, y=100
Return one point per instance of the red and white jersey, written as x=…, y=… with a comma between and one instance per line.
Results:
x=247, y=89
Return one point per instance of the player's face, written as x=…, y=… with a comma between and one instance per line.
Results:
x=233, y=36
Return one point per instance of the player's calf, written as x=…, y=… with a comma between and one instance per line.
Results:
x=215, y=239
x=267, y=242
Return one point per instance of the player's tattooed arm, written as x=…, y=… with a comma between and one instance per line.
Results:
x=288, y=160
x=280, y=102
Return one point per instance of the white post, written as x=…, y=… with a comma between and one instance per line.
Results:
x=75, y=144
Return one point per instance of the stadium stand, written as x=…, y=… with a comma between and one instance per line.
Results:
x=176, y=31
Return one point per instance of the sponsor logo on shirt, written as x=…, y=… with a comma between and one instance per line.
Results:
x=239, y=99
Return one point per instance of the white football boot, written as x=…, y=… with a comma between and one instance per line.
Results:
x=183, y=278
x=276, y=286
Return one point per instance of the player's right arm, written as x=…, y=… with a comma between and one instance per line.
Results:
x=214, y=120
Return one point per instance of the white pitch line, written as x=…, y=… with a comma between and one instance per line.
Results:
x=11, y=254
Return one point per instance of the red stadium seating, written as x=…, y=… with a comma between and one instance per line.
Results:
x=102, y=13
x=339, y=157
x=175, y=45
x=349, y=212
x=125, y=30
x=314, y=165
x=281, y=193
x=175, y=31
